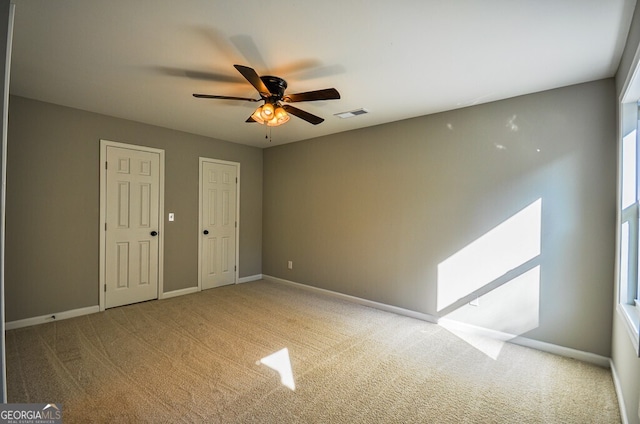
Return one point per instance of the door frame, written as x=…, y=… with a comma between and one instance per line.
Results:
x=103, y=214
x=201, y=162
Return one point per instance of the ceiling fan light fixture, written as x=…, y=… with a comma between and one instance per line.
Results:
x=278, y=120
x=281, y=116
x=257, y=116
x=278, y=117
x=267, y=112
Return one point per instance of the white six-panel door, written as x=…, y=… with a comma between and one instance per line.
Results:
x=218, y=223
x=132, y=218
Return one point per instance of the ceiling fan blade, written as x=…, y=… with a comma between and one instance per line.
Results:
x=251, y=76
x=211, y=96
x=250, y=119
x=310, y=118
x=310, y=96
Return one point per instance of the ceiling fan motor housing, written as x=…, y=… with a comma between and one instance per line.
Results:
x=276, y=87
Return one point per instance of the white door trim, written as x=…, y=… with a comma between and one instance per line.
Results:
x=200, y=173
x=103, y=214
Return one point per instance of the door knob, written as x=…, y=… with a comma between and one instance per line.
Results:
x=154, y=233
x=205, y=232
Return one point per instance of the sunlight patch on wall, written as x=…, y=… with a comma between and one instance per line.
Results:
x=281, y=363
x=504, y=313
x=502, y=249
x=489, y=290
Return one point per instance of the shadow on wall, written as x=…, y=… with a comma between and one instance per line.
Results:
x=492, y=285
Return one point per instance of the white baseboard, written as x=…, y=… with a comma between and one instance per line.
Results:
x=180, y=292
x=567, y=352
x=250, y=278
x=522, y=341
x=616, y=384
x=581, y=355
x=27, y=322
x=358, y=300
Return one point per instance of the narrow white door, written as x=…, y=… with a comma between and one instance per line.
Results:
x=132, y=226
x=218, y=202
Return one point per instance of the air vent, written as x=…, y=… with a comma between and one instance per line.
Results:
x=351, y=113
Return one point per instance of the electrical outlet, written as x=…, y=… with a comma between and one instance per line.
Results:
x=290, y=264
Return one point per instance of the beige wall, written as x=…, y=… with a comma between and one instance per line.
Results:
x=52, y=250
x=623, y=355
x=373, y=212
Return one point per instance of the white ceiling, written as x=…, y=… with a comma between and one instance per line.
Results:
x=142, y=59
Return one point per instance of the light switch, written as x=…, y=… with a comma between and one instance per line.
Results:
x=171, y=216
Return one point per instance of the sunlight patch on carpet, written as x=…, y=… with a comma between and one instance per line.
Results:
x=489, y=344
x=281, y=363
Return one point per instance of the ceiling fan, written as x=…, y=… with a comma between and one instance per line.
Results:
x=271, y=89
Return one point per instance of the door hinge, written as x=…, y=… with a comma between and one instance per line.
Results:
x=106, y=165
x=235, y=268
x=105, y=226
x=236, y=224
x=236, y=180
x=105, y=288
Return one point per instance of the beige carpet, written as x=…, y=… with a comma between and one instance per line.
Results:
x=196, y=358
